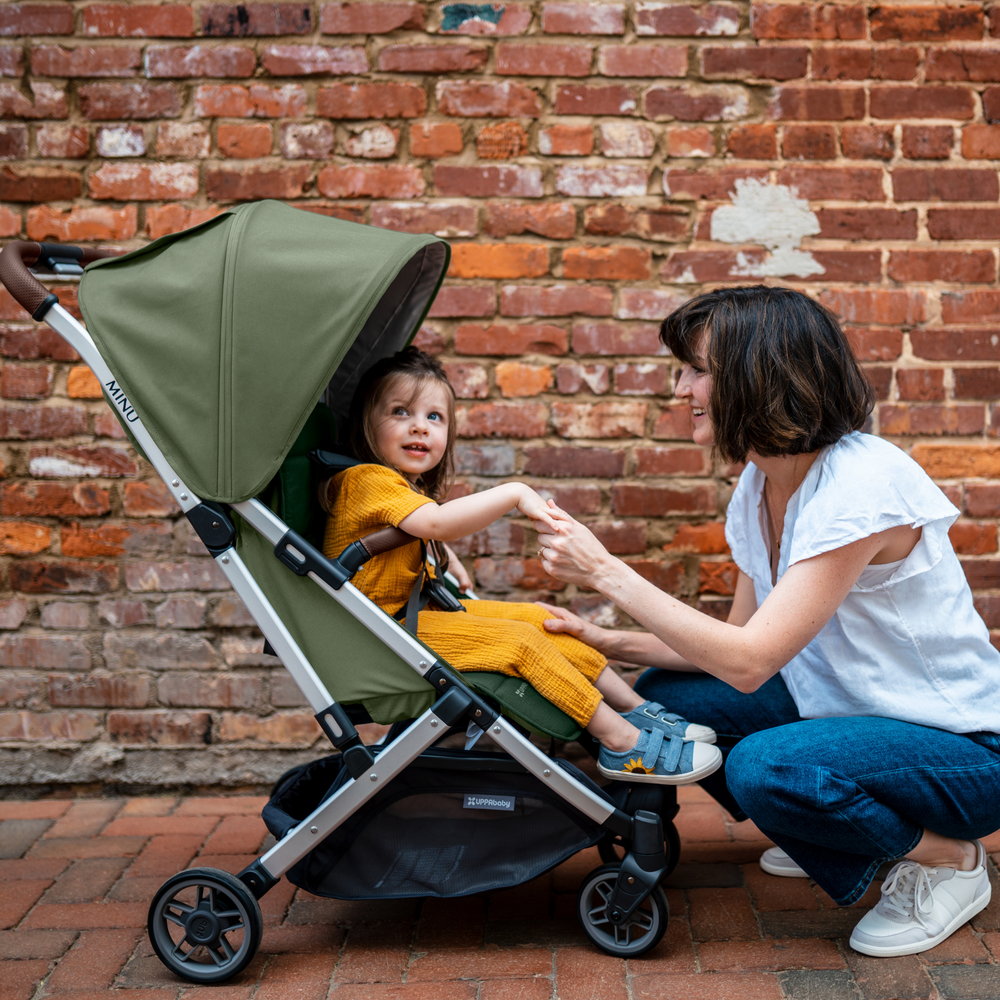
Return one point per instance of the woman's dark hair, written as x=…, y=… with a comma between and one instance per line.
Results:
x=784, y=378
x=413, y=369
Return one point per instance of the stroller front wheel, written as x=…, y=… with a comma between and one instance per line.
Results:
x=642, y=932
x=205, y=925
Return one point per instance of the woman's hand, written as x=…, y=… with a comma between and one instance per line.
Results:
x=458, y=571
x=566, y=622
x=570, y=552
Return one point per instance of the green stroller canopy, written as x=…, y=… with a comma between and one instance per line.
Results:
x=223, y=337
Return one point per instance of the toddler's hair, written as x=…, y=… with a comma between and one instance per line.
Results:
x=413, y=369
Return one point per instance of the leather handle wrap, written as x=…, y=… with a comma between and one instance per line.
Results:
x=385, y=539
x=26, y=289
x=17, y=256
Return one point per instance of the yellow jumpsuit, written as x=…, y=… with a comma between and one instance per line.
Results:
x=494, y=636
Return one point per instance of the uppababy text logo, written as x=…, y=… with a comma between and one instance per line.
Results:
x=121, y=401
x=502, y=802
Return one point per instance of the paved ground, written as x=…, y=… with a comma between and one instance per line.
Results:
x=78, y=875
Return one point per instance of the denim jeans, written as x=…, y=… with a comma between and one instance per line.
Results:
x=842, y=795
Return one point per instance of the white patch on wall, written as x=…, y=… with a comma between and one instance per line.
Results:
x=775, y=217
x=47, y=466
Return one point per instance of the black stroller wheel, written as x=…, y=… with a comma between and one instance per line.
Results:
x=205, y=925
x=612, y=847
x=642, y=932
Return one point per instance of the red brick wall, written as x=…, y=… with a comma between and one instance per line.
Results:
x=575, y=154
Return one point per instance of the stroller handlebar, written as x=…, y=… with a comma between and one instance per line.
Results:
x=27, y=290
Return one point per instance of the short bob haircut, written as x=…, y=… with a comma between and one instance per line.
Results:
x=784, y=378
x=409, y=371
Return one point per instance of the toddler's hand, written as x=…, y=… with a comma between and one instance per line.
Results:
x=458, y=571
x=531, y=505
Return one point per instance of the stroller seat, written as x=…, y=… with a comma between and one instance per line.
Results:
x=292, y=496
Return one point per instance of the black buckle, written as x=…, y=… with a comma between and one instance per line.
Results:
x=340, y=731
x=302, y=559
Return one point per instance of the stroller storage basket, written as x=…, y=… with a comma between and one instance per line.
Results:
x=452, y=824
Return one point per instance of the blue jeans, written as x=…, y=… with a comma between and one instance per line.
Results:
x=843, y=795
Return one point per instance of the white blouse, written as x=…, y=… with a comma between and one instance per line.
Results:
x=907, y=642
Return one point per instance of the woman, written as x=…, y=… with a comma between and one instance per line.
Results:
x=853, y=662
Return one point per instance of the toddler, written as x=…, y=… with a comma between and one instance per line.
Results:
x=403, y=428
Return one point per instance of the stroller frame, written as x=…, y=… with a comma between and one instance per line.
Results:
x=224, y=899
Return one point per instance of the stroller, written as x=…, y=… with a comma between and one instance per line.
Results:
x=213, y=347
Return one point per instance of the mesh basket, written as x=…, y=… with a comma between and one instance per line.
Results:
x=452, y=824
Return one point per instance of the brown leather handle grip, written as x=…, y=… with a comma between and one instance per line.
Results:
x=385, y=539
x=27, y=290
x=15, y=259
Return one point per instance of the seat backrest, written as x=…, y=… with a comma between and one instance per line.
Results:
x=292, y=493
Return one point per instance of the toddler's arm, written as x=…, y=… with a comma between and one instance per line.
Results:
x=465, y=515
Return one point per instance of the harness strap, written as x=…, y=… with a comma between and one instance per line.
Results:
x=425, y=589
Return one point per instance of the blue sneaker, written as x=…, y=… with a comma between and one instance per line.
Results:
x=652, y=715
x=660, y=759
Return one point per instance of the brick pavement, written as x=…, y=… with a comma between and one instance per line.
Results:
x=78, y=875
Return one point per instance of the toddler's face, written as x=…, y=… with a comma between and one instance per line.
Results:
x=412, y=435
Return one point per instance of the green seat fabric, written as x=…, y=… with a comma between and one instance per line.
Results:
x=522, y=703
x=292, y=493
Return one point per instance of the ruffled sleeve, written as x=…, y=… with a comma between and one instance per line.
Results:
x=383, y=494
x=865, y=485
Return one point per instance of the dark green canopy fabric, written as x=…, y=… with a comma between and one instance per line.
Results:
x=224, y=336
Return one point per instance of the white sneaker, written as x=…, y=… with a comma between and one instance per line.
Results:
x=775, y=862
x=920, y=907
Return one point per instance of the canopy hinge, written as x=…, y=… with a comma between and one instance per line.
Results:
x=211, y=522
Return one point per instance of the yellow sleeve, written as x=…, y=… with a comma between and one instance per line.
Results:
x=384, y=495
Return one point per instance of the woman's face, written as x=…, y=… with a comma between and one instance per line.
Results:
x=694, y=387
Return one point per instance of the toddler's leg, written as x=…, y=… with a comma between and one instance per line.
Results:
x=511, y=646
x=585, y=658
x=471, y=642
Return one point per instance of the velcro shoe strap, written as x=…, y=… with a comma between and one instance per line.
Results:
x=671, y=754
x=651, y=748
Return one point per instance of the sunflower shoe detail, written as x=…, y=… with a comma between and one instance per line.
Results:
x=661, y=760
x=652, y=715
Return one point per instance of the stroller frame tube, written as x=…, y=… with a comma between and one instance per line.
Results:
x=328, y=815
x=418, y=736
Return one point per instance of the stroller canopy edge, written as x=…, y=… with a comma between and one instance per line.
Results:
x=224, y=336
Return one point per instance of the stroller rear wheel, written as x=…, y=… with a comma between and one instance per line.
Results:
x=205, y=925
x=644, y=928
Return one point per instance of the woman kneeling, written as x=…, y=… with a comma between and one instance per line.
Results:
x=853, y=662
